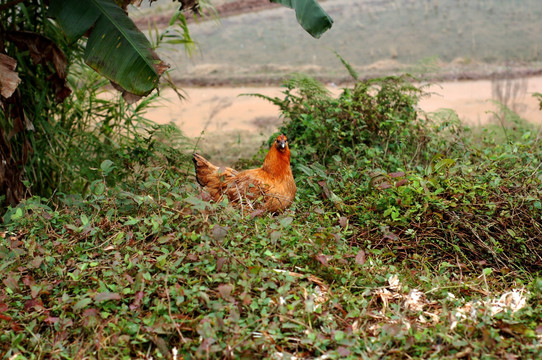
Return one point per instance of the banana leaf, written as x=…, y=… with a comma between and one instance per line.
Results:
x=310, y=15
x=115, y=47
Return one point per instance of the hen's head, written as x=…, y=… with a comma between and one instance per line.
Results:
x=281, y=143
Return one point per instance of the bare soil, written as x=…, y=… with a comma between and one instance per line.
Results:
x=223, y=109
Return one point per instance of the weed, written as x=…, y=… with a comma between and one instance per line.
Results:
x=423, y=249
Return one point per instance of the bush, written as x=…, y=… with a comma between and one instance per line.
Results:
x=415, y=182
x=374, y=119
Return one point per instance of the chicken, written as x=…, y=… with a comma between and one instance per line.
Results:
x=270, y=188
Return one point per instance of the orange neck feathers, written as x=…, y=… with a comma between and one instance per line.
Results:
x=277, y=162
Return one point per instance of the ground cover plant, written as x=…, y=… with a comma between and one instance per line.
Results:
x=414, y=237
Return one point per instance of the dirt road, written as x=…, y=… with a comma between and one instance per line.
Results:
x=223, y=109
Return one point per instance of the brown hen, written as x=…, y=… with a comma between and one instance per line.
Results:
x=270, y=188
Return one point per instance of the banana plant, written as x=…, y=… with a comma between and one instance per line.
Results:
x=118, y=50
x=310, y=15
x=115, y=47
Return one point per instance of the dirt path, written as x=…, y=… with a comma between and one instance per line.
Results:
x=223, y=109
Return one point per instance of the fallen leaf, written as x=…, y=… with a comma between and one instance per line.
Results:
x=90, y=312
x=275, y=236
x=391, y=236
x=51, y=320
x=256, y=213
x=192, y=257
x=33, y=304
x=396, y=174
x=219, y=232
x=12, y=282
x=344, y=352
x=220, y=263
x=105, y=296
x=360, y=257
x=137, y=301
x=322, y=259
x=9, y=79
x=325, y=189
x=285, y=222
x=36, y=262
x=225, y=291
x=246, y=298
x=384, y=185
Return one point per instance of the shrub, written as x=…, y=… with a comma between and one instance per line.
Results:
x=414, y=182
x=374, y=118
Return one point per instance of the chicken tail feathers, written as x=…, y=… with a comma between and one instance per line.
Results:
x=209, y=175
x=203, y=169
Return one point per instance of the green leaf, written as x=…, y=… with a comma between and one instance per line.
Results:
x=285, y=222
x=18, y=214
x=444, y=163
x=339, y=335
x=107, y=166
x=309, y=15
x=81, y=304
x=75, y=17
x=115, y=48
x=97, y=187
x=308, y=171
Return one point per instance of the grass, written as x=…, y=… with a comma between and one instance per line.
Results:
x=392, y=248
x=444, y=37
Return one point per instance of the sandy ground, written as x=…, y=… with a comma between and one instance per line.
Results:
x=222, y=109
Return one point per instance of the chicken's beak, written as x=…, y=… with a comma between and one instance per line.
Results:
x=282, y=145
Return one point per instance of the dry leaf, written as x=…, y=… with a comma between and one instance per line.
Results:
x=44, y=51
x=396, y=174
x=322, y=259
x=12, y=282
x=220, y=263
x=360, y=257
x=256, y=213
x=219, y=232
x=9, y=79
x=105, y=296
x=225, y=291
